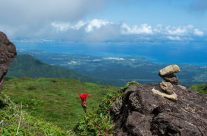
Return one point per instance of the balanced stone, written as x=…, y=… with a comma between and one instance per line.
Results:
x=169, y=70
x=172, y=78
x=167, y=87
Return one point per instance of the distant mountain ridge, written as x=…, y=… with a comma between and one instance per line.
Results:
x=106, y=70
x=118, y=70
x=27, y=66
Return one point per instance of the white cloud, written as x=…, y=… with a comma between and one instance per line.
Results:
x=52, y=25
x=115, y=58
x=142, y=29
x=89, y=26
x=32, y=17
x=182, y=33
x=79, y=25
x=59, y=19
x=198, y=32
x=176, y=31
x=63, y=26
x=96, y=24
x=102, y=30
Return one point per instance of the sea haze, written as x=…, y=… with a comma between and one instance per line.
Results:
x=118, y=63
x=194, y=53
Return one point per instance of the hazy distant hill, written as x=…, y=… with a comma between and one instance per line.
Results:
x=28, y=66
x=108, y=70
x=119, y=70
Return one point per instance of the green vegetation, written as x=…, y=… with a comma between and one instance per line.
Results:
x=51, y=106
x=201, y=88
x=98, y=122
x=15, y=121
x=28, y=66
x=130, y=83
x=55, y=100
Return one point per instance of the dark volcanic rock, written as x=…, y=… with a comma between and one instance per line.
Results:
x=172, y=78
x=139, y=112
x=7, y=53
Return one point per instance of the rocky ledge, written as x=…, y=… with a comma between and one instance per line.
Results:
x=7, y=53
x=143, y=110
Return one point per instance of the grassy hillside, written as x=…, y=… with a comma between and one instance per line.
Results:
x=201, y=88
x=28, y=66
x=15, y=121
x=51, y=106
x=55, y=100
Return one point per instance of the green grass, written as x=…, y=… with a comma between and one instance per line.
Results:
x=201, y=88
x=98, y=122
x=15, y=121
x=55, y=100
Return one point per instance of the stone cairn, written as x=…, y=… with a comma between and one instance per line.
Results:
x=170, y=79
x=168, y=73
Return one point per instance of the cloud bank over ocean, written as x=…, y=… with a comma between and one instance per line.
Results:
x=104, y=20
x=108, y=29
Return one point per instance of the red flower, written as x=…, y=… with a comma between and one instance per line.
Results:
x=84, y=96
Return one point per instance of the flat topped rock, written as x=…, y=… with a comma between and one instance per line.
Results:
x=7, y=53
x=171, y=69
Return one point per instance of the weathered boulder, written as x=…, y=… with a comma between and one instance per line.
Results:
x=167, y=87
x=171, y=69
x=7, y=53
x=140, y=112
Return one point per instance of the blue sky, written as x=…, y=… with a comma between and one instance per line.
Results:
x=167, y=12
x=104, y=20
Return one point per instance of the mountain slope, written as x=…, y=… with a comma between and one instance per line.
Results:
x=53, y=99
x=117, y=70
x=28, y=66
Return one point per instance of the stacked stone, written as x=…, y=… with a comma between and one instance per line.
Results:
x=168, y=74
x=169, y=77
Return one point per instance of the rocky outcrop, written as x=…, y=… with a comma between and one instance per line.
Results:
x=7, y=53
x=163, y=109
x=140, y=112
